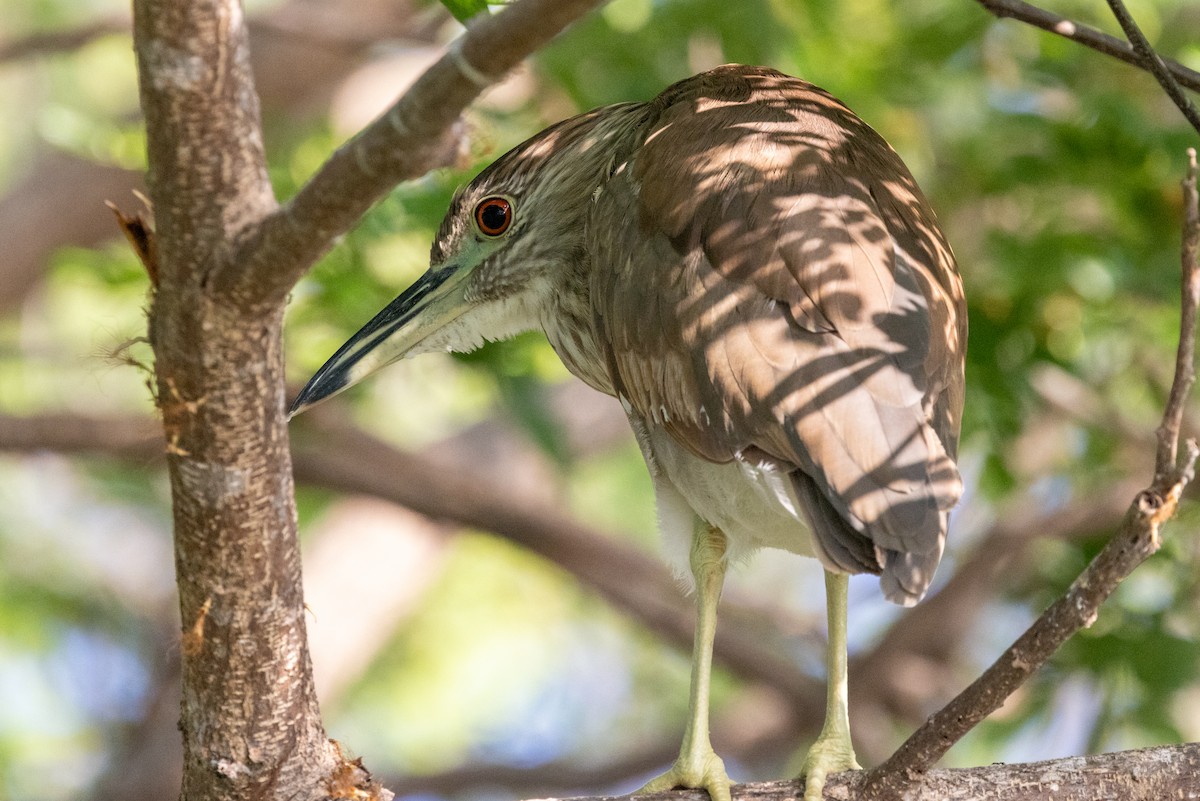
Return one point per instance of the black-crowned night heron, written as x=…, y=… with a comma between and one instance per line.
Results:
x=752, y=271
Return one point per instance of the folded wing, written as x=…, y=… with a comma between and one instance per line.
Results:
x=786, y=291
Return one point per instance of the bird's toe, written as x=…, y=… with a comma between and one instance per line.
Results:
x=700, y=772
x=828, y=755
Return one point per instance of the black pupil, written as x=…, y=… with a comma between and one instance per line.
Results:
x=493, y=216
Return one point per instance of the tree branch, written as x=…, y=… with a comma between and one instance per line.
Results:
x=409, y=139
x=1185, y=355
x=250, y=720
x=1084, y=35
x=199, y=100
x=1152, y=62
x=1148, y=774
x=348, y=459
x=136, y=438
x=1136, y=540
x=339, y=457
x=543, y=780
x=934, y=630
x=61, y=41
x=930, y=633
x=56, y=203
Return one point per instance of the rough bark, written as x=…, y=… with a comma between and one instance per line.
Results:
x=250, y=721
x=251, y=727
x=1149, y=774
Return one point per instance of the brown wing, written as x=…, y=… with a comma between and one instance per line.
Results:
x=785, y=289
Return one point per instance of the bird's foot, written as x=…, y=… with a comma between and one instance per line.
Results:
x=831, y=753
x=700, y=769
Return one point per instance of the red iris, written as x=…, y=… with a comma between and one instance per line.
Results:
x=493, y=215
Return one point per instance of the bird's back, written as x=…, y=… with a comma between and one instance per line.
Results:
x=778, y=294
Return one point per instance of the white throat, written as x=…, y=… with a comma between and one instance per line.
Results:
x=490, y=321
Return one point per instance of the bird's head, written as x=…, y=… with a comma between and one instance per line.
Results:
x=495, y=263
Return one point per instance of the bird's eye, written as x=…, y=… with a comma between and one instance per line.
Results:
x=493, y=215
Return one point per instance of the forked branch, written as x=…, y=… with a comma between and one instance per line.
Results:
x=409, y=139
x=1084, y=35
x=1153, y=62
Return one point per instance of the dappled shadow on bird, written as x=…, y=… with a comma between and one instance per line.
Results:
x=754, y=274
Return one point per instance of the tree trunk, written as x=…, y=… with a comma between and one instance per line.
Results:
x=251, y=723
x=222, y=259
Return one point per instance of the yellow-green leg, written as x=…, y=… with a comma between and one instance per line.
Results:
x=698, y=766
x=833, y=751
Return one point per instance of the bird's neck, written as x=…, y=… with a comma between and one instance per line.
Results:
x=582, y=173
x=569, y=325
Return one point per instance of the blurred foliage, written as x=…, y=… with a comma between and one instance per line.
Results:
x=463, y=10
x=1055, y=172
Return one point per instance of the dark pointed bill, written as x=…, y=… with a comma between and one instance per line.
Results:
x=385, y=339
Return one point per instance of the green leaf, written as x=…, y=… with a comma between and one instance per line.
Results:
x=463, y=10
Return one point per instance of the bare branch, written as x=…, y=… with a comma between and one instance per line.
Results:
x=135, y=438
x=59, y=199
x=1152, y=62
x=539, y=781
x=342, y=458
x=1084, y=35
x=934, y=630
x=1185, y=356
x=407, y=140
x=197, y=87
x=1148, y=774
x=349, y=459
x=1136, y=540
x=45, y=43
x=140, y=439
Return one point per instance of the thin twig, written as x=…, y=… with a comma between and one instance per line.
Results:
x=1134, y=542
x=1084, y=35
x=1185, y=356
x=1153, y=62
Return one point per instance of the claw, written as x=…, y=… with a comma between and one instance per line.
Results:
x=829, y=754
x=702, y=771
